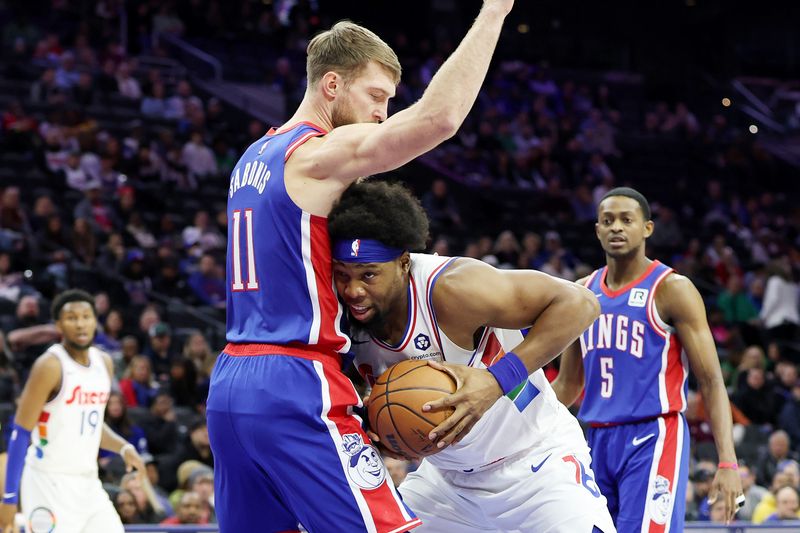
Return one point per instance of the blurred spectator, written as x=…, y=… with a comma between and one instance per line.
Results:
x=198, y=158
x=441, y=208
x=84, y=244
x=757, y=398
x=160, y=428
x=160, y=350
x=781, y=308
x=127, y=85
x=208, y=283
x=183, y=382
x=11, y=283
x=154, y=104
x=110, y=337
x=789, y=417
x=736, y=304
x=27, y=334
x=787, y=506
x=701, y=481
x=197, y=350
x=125, y=504
x=203, y=234
x=144, y=506
x=196, y=447
x=138, y=387
x=12, y=215
x=117, y=418
x=753, y=493
x=129, y=347
x=189, y=511
x=94, y=209
x=506, y=250
x=778, y=449
x=179, y=103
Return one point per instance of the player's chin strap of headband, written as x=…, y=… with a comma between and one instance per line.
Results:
x=364, y=251
x=17, y=447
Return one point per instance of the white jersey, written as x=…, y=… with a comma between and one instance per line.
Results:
x=66, y=439
x=524, y=420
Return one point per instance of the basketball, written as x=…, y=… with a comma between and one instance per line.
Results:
x=395, y=406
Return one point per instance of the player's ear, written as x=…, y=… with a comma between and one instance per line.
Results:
x=649, y=226
x=597, y=230
x=331, y=83
x=405, y=262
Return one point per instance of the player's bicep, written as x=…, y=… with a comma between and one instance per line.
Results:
x=44, y=378
x=355, y=150
x=500, y=298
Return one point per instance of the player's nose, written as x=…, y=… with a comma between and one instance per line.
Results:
x=354, y=291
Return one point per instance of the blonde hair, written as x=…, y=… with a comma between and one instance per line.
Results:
x=346, y=49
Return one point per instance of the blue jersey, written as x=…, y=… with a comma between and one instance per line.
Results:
x=632, y=360
x=279, y=278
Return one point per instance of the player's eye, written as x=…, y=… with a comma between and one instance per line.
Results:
x=369, y=275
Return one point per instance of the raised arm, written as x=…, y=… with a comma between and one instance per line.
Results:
x=356, y=150
x=679, y=303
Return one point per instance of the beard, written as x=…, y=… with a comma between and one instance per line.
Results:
x=342, y=113
x=374, y=327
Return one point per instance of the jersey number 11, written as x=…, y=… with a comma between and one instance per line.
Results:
x=236, y=252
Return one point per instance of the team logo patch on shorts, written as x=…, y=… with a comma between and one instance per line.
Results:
x=41, y=520
x=660, y=502
x=364, y=464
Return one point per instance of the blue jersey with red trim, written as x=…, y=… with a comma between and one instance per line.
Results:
x=633, y=364
x=279, y=282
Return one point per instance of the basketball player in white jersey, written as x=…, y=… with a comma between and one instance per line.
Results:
x=60, y=415
x=512, y=458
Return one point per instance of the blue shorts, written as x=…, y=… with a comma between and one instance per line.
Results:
x=642, y=469
x=288, y=450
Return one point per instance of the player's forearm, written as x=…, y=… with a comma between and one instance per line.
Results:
x=454, y=88
x=110, y=441
x=719, y=410
x=557, y=327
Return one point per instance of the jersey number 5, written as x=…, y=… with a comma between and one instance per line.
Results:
x=607, y=385
x=236, y=252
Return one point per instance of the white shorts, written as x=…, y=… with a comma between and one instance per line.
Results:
x=66, y=503
x=548, y=490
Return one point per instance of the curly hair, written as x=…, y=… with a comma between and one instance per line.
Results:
x=386, y=212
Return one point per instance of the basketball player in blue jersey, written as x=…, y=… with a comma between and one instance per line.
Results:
x=633, y=363
x=280, y=409
x=58, y=430
x=511, y=456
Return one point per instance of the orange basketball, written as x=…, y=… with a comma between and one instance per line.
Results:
x=395, y=406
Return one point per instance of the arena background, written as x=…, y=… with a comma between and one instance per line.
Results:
x=121, y=120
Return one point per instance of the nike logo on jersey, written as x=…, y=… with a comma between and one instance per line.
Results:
x=638, y=440
x=536, y=468
x=9, y=495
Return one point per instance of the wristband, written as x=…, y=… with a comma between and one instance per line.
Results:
x=509, y=372
x=731, y=466
x=122, y=450
x=17, y=448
